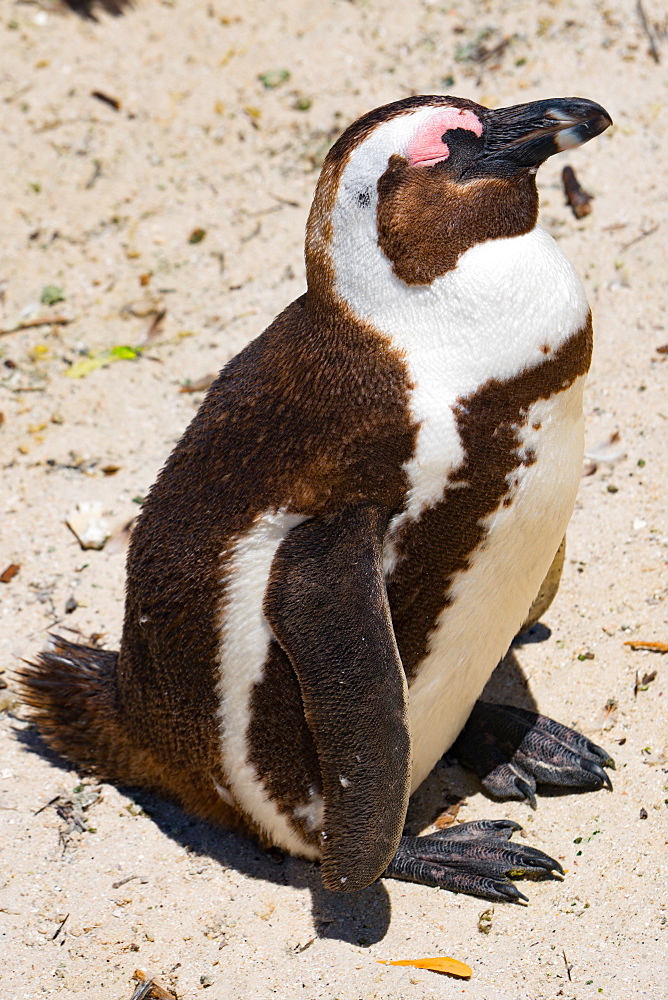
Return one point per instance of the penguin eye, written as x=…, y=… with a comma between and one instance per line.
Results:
x=364, y=198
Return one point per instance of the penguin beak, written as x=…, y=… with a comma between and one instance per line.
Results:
x=526, y=134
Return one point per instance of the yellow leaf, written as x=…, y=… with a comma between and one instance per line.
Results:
x=87, y=365
x=440, y=964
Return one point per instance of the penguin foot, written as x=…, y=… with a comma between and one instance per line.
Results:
x=512, y=750
x=474, y=858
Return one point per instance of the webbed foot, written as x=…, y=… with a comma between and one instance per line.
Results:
x=511, y=750
x=474, y=858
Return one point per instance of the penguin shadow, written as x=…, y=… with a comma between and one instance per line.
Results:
x=360, y=918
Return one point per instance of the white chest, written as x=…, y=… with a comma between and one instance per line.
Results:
x=507, y=306
x=490, y=599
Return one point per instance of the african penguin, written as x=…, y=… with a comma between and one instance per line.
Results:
x=354, y=526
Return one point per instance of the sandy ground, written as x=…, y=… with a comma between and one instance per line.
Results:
x=104, y=202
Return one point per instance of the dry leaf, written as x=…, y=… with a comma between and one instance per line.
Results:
x=154, y=328
x=151, y=989
x=658, y=647
x=199, y=384
x=88, y=524
x=452, y=966
x=448, y=816
x=610, y=451
x=9, y=573
x=120, y=539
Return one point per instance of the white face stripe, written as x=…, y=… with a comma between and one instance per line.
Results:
x=245, y=637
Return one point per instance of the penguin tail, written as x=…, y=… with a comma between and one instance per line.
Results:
x=71, y=691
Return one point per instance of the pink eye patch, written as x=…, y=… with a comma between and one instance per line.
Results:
x=427, y=147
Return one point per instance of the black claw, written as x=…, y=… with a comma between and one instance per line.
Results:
x=510, y=892
x=512, y=749
x=603, y=756
x=541, y=860
x=592, y=768
x=526, y=791
x=475, y=858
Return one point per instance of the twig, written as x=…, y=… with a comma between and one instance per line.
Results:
x=568, y=965
x=656, y=647
x=154, y=328
x=653, y=49
x=284, y=201
x=60, y=927
x=128, y=878
x=577, y=197
x=113, y=102
x=46, y=805
x=97, y=171
x=42, y=321
x=483, y=55
x=123, y=881
x=637, y=239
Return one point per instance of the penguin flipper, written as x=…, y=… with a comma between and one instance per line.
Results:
x=511, y=750
x=327, y=606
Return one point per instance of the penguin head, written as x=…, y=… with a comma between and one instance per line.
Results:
x=422, y=180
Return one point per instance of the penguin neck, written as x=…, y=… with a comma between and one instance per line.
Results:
x=506, y=304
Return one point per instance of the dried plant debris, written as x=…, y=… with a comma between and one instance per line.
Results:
x=154, y=328
x=52, y=294
x=485, y=921
x=608, y=714
x=122, y=352
x=477, y=51
x=606, y=452
x=150, y=989
x=641, y=684
x=107, y=99
x=88, y=525
x=579, y=199
x=274, y=78
x=9, y=572
x=143, y=880
x=443, y=964
x=31, y=324
x=120, y=539
x=448, y=816
x=651, y=38
x=71, y=809
x=654, y=647
x=199, y=384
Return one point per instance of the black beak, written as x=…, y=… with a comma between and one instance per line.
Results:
x=526, y=134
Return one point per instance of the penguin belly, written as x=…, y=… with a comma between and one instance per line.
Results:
x=487, y=602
